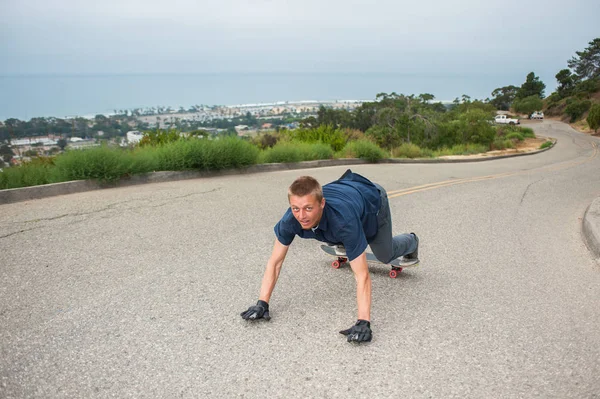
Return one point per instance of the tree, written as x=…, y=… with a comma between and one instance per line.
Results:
x=6, y=153
x=593, y=118
x=586, y=63
x=528, y=104
x=504, y=97
x=62, y=143
x=533, y=86
x=100, y=119
x=426, y=97
x=333, y=117
x=566, y=83
x=364, y=116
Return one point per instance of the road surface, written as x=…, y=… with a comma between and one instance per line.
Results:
x=136, y=291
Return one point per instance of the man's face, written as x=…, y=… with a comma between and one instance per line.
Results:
x=307, y=210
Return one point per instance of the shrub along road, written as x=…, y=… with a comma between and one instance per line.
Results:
x=136, y=291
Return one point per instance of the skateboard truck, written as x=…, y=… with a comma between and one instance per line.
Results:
x=336, y=264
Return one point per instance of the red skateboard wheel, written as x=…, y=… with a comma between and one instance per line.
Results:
x=393, y=273
x=335, y=264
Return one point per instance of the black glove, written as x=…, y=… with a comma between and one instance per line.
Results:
x=360, y=332
x=258, y=311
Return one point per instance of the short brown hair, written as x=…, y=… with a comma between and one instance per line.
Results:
x=305, y=185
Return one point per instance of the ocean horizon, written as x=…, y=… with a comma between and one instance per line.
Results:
x=27, y=96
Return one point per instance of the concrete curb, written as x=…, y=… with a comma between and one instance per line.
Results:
x=591, y=227
x=9, y=196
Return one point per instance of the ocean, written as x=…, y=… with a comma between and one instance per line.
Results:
x=27, y=96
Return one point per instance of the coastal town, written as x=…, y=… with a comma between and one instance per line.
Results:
x=16, y=149
x=203, y=113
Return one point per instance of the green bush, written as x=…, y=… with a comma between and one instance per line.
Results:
x=103, y=163
x=144, y=160
x=33, y=173
x=363, y=149
x=502, y=144
x=576, y=108
x=552, y=100
x=409, y=150
x=159, y=137
x=449, y=134
x=546, y=144
x=284, y=152
x=325, y=134
x=527, y=132
x=384, y=136
x=173, y=156
x=593, y=118
x=515, y=136
x=476, y=128
x=587, y=87
x=296, y=152
x=108, y=164
x=505, y=130
x=226, y=153
x=195, y=154
x=352, y=135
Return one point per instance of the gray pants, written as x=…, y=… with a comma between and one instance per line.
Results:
x=386, y=247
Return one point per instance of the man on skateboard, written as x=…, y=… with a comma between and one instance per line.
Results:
x=350, y=213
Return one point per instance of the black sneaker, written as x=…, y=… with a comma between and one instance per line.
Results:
x=411, y=258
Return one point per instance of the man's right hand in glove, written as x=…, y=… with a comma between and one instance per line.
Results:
x=258, y=311
x=360, y=332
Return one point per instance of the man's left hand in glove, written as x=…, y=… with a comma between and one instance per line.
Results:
x=360, y=332
x=258, y=311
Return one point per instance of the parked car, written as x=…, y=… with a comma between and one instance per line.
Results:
x=503, y=120
x=537, y=115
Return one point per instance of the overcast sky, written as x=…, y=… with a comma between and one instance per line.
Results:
x=194, y=36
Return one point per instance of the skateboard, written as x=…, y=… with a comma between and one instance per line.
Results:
x=395, y=264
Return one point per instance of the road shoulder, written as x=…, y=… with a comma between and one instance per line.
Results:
x=591, y=227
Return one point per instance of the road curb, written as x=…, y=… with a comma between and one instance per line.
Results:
x=591, y=227
x=9, y=196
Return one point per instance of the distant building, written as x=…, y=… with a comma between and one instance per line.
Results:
x=77, y=143
x=40, y=144
x=134, y=136
x=29, y=141
x=241, y=128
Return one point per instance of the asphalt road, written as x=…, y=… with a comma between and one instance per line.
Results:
x=136, y=291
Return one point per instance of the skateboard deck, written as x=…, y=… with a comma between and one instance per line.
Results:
x=394, y=264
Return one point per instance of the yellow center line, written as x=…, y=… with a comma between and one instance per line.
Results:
x=446, y=183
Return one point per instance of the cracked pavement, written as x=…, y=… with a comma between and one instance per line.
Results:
x=10, y=227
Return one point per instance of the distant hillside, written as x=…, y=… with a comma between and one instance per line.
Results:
x=573, y=109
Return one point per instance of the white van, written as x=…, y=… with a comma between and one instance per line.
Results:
x=537, y=115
